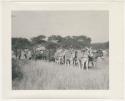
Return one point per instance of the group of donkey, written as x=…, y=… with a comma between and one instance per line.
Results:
x=81, y=57
x=77, y=57
x=21, y=54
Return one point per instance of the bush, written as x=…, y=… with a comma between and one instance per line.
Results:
x=16, y=70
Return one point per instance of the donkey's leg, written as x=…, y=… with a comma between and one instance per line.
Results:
x=79, y=63
x=66, y=62
x=87, y=65
x=94, y=64
x=69, y=63
x=82, y=63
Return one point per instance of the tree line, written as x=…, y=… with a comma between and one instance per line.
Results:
x=56, y=41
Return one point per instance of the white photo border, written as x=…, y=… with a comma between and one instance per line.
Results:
x=115, y=10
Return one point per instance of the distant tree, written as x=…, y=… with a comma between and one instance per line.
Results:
x=51, y=45
x=83, y=40
x=104, y=45
x=20, y=43
x=53, y=42
x=67, y=42
x=55, y=38
x=76, y=41
x=39, y=40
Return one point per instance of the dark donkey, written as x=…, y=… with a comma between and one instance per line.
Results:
x=94, y=57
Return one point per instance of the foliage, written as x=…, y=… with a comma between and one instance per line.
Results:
x=16, y=70
x=76, y=41
x=55, y=38
x=56, y=41
x=38, y=40
x=51, y=45
x=104, y=45
x=20, y=43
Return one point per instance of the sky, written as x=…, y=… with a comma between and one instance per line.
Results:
x=94, y=24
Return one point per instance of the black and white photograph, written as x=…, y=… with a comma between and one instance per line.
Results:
x=60, y=50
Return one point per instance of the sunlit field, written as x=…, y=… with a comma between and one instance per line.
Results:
x=43, y=75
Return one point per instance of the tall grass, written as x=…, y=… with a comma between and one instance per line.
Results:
x=16, y=70
x=41, y=75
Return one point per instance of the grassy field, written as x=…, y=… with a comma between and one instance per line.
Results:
x=41, y=75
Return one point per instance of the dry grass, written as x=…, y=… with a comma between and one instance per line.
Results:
x=41, y=75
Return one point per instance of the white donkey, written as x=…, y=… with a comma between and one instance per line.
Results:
x=59, y=56
x=82, y=58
